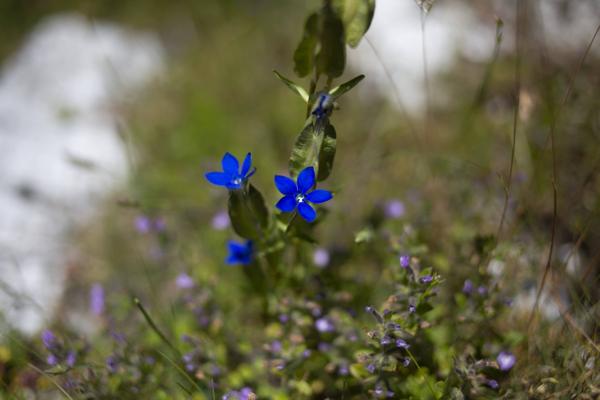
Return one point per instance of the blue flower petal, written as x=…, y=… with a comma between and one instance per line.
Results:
x=218, y=178
x=239, y=253
x=307, y=212
x=285, y=185
x=286, y=204
x=246, y=165
x=230, y=164
x=232, y=260
x=319, y=196
x=306, y=179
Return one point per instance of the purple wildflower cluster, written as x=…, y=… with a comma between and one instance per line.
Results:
x=243, y=394
x=145, y=224
x=58, y=353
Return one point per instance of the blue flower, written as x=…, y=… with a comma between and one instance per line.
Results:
x=232, y=177
x=240, y=253
x=323, y=107
x=298, y=195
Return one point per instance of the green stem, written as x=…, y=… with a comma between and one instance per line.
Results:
x=155, y=328
x=420, y=370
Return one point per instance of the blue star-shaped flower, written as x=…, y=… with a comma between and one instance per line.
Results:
x=240, y=253
x=232, y=177
x=298, y=195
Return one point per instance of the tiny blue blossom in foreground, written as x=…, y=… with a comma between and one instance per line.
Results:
x=506, y=360
x=297, y=195
x=240, y=253
x=401, y=343
x=426, y=279
x=232, y=176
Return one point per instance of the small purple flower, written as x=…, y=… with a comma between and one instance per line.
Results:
x=386, y=340
x=97, y=299
x=406, y=361
x=324, y=347
x=283, y=318
x=412, y=308
x=190, y=367
x=276, y=346
x=159, y=224
x=506, y=360
x=467, y=287
x=143, y=224
x=324, y=325
x=48, y=339
x=71, y=358
x=426, y=279
x=240, y=253
x=492, y=383
x=220, y=221
x=482, y=290
x=401, y=343
x=184, y=281
x=306, y=353
x=371, y=368
x=321, y=257
x=343, y=369
x=112, y=364
x=52, y=360
x=188, y=357
x=404, y=261
x=394, y=209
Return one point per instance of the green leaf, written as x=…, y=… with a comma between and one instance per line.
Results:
x=306, y=149
x=331, y=58
x=357, y=16
x=327, y=153
x=305, y=52
x=299, y=90
x=359, y=371
x=346, y=86
x=364, y=236
x=248, y=213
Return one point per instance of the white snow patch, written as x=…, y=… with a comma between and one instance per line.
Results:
x=60, y=153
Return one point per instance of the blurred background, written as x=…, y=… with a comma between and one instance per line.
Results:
x=111, y=112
